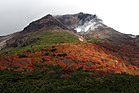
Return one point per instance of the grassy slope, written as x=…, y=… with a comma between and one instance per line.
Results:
x=43, y=67
x=45, y=39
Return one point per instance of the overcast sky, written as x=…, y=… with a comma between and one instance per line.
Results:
x=122, y=15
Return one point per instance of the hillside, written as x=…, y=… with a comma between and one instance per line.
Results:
x=57, y=51
x=122, y=44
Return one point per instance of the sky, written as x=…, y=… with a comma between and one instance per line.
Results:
x=122, y=15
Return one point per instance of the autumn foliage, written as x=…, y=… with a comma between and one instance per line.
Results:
x=70, y=56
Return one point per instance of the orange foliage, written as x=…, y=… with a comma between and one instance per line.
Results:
x=87, y=55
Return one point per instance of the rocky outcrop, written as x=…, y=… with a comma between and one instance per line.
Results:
x=46, y=22
x=80, y=21
x=4, y=39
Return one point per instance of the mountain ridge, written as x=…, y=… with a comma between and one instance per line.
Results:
x=59, y=30
x=74, y=53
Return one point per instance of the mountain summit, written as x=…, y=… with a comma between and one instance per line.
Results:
x=46, y=22
x=81, y=22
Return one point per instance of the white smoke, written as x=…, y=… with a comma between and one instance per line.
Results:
x=90, y=25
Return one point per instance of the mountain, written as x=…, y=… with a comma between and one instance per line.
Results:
x=65, y=22
x=75, y=53
x=46, y=22
x=93, y=29
x=34, y=31
x=85, y=28
x=80, y=22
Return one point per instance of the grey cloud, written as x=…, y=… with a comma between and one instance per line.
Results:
x=16, y=14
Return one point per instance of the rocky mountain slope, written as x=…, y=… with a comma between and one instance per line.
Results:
x=120, y=53
x=45, y=24
x=75, y=53
x=4, y=39
x=88, y=25
x=80, y=22
x=93, y=29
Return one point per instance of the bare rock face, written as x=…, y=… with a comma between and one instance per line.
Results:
x=80, y=21
x=2, y=42
x=46, y=22
x=4, y=39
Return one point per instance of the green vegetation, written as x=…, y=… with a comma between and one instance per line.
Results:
x=54, y=80
x=56, y=37
x=43, y=39
x=95, y=41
